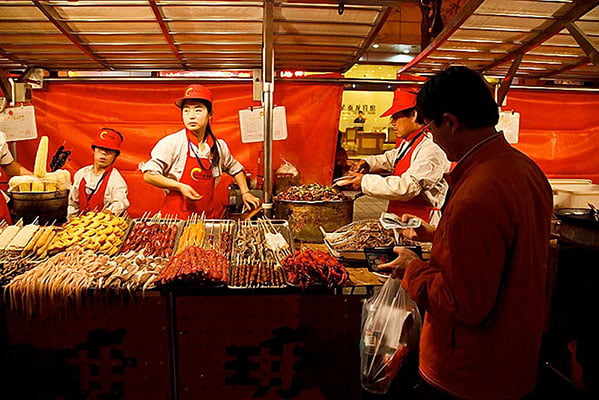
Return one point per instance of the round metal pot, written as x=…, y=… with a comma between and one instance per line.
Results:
x=305, y=217
x=579, y=225
x=49, y=207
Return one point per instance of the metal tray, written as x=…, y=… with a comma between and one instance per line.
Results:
x=345, y=255
x=178, y=223
x=213, y=227
x=281, y=226
x=359, y=256
x=350, y=256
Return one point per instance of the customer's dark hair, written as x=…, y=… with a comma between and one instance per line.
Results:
x=461, y=92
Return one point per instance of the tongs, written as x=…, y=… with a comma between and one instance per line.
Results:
x=342, y=181
x=594, y=211
x=250, y=213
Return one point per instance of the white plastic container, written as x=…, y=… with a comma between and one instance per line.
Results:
x=576, y=196
x=559, y=185
x=569, y=181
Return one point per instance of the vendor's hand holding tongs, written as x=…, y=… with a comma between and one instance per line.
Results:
x=248, y=213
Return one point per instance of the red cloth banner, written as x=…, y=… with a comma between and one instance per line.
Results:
x=72, y=113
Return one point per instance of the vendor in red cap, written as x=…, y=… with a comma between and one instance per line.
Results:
x=100, y=186
x=416, y=185
x=189, y=163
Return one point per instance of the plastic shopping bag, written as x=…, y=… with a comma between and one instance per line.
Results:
x=391, y=326
x=286, y=168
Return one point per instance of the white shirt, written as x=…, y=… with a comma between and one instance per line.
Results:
x=170, y=155
x=115, y=197
x=5, y=156
x=425, y=175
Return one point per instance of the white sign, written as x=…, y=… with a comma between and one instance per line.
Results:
x=18, y=123
x=252, y=125
x=509, y=123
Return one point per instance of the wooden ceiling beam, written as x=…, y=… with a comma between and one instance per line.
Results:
x=573, y=12
x=507, y=81
x=166, y=33
x=5, y=86
x=561, y=70
x=589, y=48
x=378, y=25
x=63, y=28
x=467, y=10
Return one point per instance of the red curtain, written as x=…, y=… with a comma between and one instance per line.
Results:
x=72, y=113
x=560, y=131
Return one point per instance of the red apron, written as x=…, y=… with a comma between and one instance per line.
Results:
x=418, y=205
x=4, y=212
x=95, y=200
x=196, y=175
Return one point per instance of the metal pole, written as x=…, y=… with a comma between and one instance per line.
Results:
x=267, y=102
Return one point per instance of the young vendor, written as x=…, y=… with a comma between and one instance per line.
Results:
x=100, y=185
x=188, y=163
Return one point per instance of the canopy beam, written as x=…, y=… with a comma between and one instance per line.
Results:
x=63, y=28
x=574, y=12
x=455, y=24
x=167, y=34
x=507, y=81
x=583, y=41
x=5, y=87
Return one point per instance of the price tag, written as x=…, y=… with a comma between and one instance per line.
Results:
x=509, y=123
x=18, y=123
x=252, y=125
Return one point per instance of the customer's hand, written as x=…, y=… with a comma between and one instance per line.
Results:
x=398, y=266
x=424, y=233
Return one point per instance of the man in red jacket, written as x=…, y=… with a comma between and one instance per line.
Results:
x=484, y=288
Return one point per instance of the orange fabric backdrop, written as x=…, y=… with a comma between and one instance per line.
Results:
x=72, y=113
x=560, y=131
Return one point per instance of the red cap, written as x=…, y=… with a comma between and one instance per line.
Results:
x=402, y=100
x=108, y=139
x=195, y=92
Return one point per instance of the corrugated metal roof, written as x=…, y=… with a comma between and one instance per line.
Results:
x=488, y=35
x=168, y=34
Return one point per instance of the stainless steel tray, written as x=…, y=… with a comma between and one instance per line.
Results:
x=214, y=227
x=359, y=256
x=178, y=223
x=280, y=226
x=346, y=255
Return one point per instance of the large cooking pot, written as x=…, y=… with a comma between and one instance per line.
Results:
x=49, y=207
x=305, y=217
x=579, y=225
